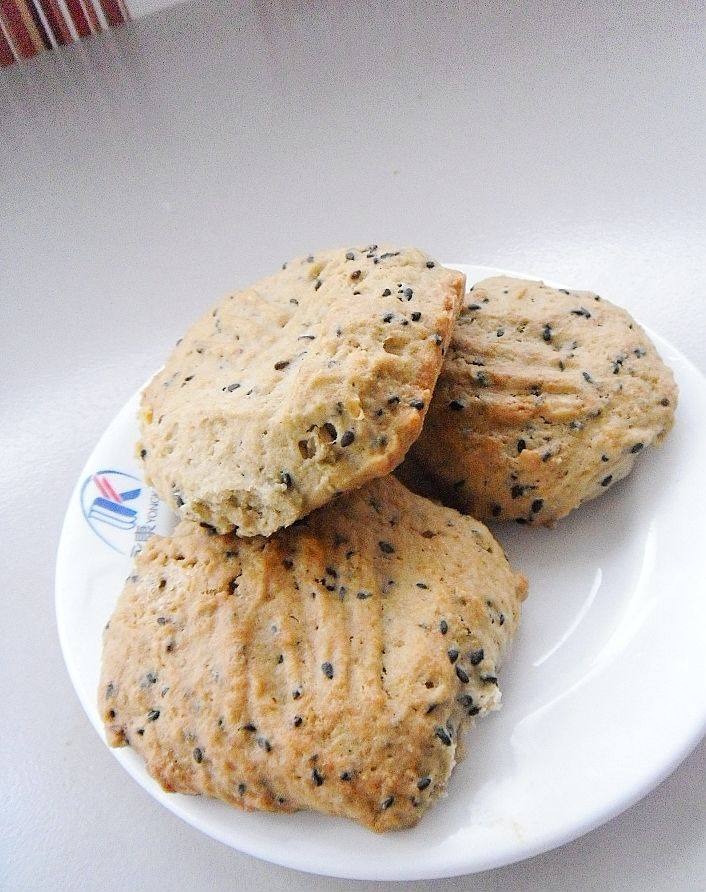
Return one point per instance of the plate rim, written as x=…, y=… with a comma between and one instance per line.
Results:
x=520, y=852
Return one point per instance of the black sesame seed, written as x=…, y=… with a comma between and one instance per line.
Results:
x=281, y=364
x=296, y=693
x=143, y=453
x=355, y=274
x=521, y=520
x=537, y=506
x=423, y=783
x=198, y=754
x=153, y=715
x=264, y=744
x=161, y=620
x=489, y=679
x=521, y=446
x=280, y=659
x=317, y=284
x=476, y=656
x=500, y=332
x=241, y=789
x=388, y=317
x=637, y=448
x=443, y=627
x=462, y=675
x=363, y=595
x=417, y=404
x=456, y=405
x=607, y=480
x=408, y=293
x=443, y=735
x=350, y=255
x=474, y=306
x=330, y=430
x=249, y=727
x=386, y=803
x=393, y=400
x=422, y=585
x=547, y=332
x=416, y=316
x=386, y=292
x=438, y=340
x=346, y=775
x=178, y=501
x=286, y=478
x=587, y=377
x=386, y=547
x=465, y=700
x=452, y=654
x=347, y=438
x=582, y=311
x=111, y=713
x=327, y=669
x=517, y=491
x=297, y=721
x=664, y=402
x=430, y=264
x=317, y=777
x=496, y=510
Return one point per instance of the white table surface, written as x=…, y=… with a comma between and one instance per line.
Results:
x=146, y=172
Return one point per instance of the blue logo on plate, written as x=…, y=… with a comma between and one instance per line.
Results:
x=109, y=500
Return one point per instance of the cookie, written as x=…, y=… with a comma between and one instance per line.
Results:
x=305, y=385
x=330, y=667
x=546, y=399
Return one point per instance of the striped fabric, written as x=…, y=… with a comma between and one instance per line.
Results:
x=29, y=26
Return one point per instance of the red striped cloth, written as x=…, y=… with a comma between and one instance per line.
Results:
x=29, y=26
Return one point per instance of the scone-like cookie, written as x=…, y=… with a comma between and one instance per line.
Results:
x=545, y=399
x=307, y=384
x=329, y=667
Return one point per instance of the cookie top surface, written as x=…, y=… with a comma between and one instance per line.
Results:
x=329, y=667
x=309, y=383
x=545, y=399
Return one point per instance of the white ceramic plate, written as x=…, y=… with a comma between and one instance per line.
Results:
x=604, y=692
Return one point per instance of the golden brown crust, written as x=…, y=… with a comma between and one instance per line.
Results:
x=305, y=385
x=545, y=399
x=327, y=668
